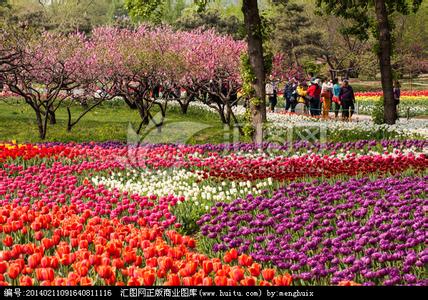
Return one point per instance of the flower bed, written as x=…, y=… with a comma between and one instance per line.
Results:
x=110, y=213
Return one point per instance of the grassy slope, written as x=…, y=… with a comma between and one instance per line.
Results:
x=109, y=123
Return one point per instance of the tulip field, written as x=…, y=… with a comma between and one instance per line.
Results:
x=412, y=103
x=227, y=214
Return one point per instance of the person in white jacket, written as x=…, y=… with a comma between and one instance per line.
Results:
x=271, y=93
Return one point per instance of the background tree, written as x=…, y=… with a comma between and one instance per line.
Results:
x=293, y=33
x=42, y=73
x=253, y=27
x=211, y=18
x=376, y=15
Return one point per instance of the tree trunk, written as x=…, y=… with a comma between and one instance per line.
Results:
x=52, y=117
x=255, y=52
x=131, y=105
x=384, y=54
x=40, y=125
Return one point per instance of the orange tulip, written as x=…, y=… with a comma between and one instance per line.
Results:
x=207, y=266
x=14, y=270
x=348, y=283
x=254, y=269
x=248, y=281
x=245, y=260
x=191, y=243
x=236, y=273
x=284, y=280
x=45, y=274
x=138, y=261
x=149, y=277
x=207, y=281
x=34, y=260
x=81, y=269
x=189, y=269
x=217, y=266
x=85, y=281
x=227, y=257
x=27, y=270
x=149, y=252
x=173, y=280
x=47, y=283
x=104, y=271
x=188, y=281
x=231, y=282
x=45, y=262
x=54, y=262
x=220, y=280
x=265, y=283
x=26, y=281
x=83, y=244
x=117, y=263
x=268, y=274
x=130, y=256
x=165, y=263
x=133, y=282
x=234, y=253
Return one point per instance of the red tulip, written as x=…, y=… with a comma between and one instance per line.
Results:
x=188, y=281
x=8, y=241
x=3, y=266
x=45, y=274
x=207, y=266
x=34, y=260
x=265, y=283
x=248, y=281
x=38, y=235
x=25, y=281
x=254, y=269
x=173, y=280
x=134, y=282
x=284, y=280
x=85, y=281
x=236, y=273
x=268, y=274
x=152, y=262
x=14, y=270
x=104, y=271
x=245, y=260
x=207, y=281
x=149, y=277
x=220, y=280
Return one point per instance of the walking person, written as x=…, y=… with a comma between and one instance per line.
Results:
x=347, y=98
x=314, y=97
x=336, y=99
x=397, y=93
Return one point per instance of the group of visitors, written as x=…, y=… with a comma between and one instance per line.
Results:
x=318, y=96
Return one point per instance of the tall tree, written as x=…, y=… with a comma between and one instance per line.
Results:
x=253, y=25
x=293, y=32
x=361, y=12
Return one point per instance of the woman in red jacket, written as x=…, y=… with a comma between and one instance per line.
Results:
x=314, y=97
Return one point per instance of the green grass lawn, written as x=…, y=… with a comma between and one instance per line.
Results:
x=111, y=123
